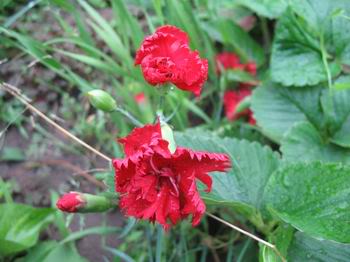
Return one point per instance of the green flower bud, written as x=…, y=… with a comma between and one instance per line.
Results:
x=102, y=100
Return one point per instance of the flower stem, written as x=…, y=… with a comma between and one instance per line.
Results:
x=129, y=116
x=160, y=109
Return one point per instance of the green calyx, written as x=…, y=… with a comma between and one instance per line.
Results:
x=94, y=204
x=102, y=100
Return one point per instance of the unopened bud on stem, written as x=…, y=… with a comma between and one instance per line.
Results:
x=74, y=202
x=102, y=100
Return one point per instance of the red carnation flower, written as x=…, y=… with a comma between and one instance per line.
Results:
x=159, y=186
x=231, y=100
x=166, y=57
x=70, y=202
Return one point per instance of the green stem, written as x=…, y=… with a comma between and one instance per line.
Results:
x=266, y=34
x=160, y=109
x=129, y=116
x=324, y=60
x=223, y=85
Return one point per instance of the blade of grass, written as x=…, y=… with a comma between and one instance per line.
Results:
x=10, y=21
x=119, y=254
x=128, y=23
x=102, y=230
x=160, y=241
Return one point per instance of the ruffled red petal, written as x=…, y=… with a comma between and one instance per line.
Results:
x=186, y=161
x=193, y=204
x=140, y=137
x=174, y=31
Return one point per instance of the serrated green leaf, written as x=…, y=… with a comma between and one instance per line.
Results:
x=295, y=49
x=252, y=165
x=305, y=248
x=20, y=226
x=314, y=198
x=299, y=54
x=304, y=143
x=277, y=108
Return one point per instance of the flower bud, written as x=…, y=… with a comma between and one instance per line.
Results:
x=102, y=100
x=73, y=202
x=168, y=135
x=243, y=105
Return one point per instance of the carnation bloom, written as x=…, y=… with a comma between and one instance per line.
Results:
x=70, y=202
x=231, y=100
x=159, y=186
x=165, y=57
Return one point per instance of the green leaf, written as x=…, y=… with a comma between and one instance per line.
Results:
x=269, y=8
x=39, y=251
x=304, y=143
x=242, y=43
x=105, y=31
x=305, y=248
x=281, y=238
x=244, y=184
x=342, y=83
x=128, y=23
x=277, y=108
x=237, y=75
x=180, y=13
x=20, y=226
x=314, y=198
x=298, y=48
x=337, y=111
x=66, y=253
x=120, y=254
x=103, y=230
x=12, y=154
